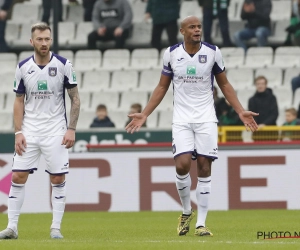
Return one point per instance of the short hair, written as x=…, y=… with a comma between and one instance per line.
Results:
x=40, y=26
x=101, y=107
x=261, y=78
x=137, y=106
x=292, y=111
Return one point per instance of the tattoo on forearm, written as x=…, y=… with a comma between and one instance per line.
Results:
x=75, y=106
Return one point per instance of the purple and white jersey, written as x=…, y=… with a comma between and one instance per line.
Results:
x=192, y=78
x=44, y=89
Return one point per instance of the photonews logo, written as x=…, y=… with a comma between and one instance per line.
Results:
x=42, y=85
x=277, y=235
x=191, y=70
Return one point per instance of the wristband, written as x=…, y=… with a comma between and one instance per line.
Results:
x=19, y=132
x=72, y=129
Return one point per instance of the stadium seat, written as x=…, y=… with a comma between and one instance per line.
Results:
x=244, y=95
x=24, y=39
x=85, y=101
x=241, y=78
x=6, y=121
x=234, y=26
x=8, y=62
x=110, y=99
x=9, y=101
x=165, y=119
x=190, y=8
x=166, y=103
x=6, y=83
x=283, y=96
x=115, y=59
x=69, y=54
x=75, y=13
x=124, y=80
x=281, y=117
x=24, y=13
x=281, y=10
x=287, y=57
x=87, y=60
x=273, y=75
x=258, y=57
x=279, y=36
x=119, y=118
x=24, y=55
x=141, y=35
x=289, y=74
x=2, y=100
x=129, y=98
x=85, y=120
x=149, y=80
x=95, y=81
x=82, y=31
x=234, y=10
x=233, y=57
x=152, y=120
x=138, y=10
x=12, y=33
x=296, y=101
x=66, y=33
x=144, y=58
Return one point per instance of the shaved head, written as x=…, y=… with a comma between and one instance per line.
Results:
x=188, y=20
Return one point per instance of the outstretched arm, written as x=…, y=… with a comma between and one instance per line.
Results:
x=138, y=119
x=69, y=138
x=230, y=95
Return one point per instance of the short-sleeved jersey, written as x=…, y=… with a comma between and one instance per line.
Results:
x=192, y=78
x=44, y=89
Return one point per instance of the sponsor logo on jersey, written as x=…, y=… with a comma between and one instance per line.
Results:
x=202, y=58
x=191, y=70
x=74, y=76
x=15, y=83
x=42, y=85
x=52, y=71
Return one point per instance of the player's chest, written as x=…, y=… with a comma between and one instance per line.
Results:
x=48, y=78
x=198, y=65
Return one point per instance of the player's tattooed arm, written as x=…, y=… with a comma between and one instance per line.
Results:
x=75, y=107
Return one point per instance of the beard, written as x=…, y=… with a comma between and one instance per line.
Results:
x=42, y=52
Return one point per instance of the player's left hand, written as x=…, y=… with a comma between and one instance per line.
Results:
x=248, y=120
x=118, y=31
x=69, y=138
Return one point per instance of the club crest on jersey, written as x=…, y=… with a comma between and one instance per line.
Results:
x=202, y=58
x=52, y=71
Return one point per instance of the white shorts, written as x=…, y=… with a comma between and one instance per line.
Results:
x=202, y=137
x=55, y=154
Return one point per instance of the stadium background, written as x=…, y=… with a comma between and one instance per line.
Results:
x=128, y=76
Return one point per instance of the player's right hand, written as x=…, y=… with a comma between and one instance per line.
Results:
x=138, y=119
x=20, y=144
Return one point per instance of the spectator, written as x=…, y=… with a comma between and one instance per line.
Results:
x=226, y=114
x=164, y=15
x=102, y=120
x=112, y=21
x=4, y=7
x=293, y=30
x=88, y=6
x=265, y=103
x=135, y=108
x=257, y=14
x=215, y=9
x=291, y=120
x=47, y=6
x=295, y=83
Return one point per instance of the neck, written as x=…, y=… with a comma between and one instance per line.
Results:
x=192, y=48
x=42, y=60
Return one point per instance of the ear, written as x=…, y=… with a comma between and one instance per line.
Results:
x=31, y=41
x=182, y=31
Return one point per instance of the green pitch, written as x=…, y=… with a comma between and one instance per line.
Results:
x=155, y=230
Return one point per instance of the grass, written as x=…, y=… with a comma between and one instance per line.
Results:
x=232, y=230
